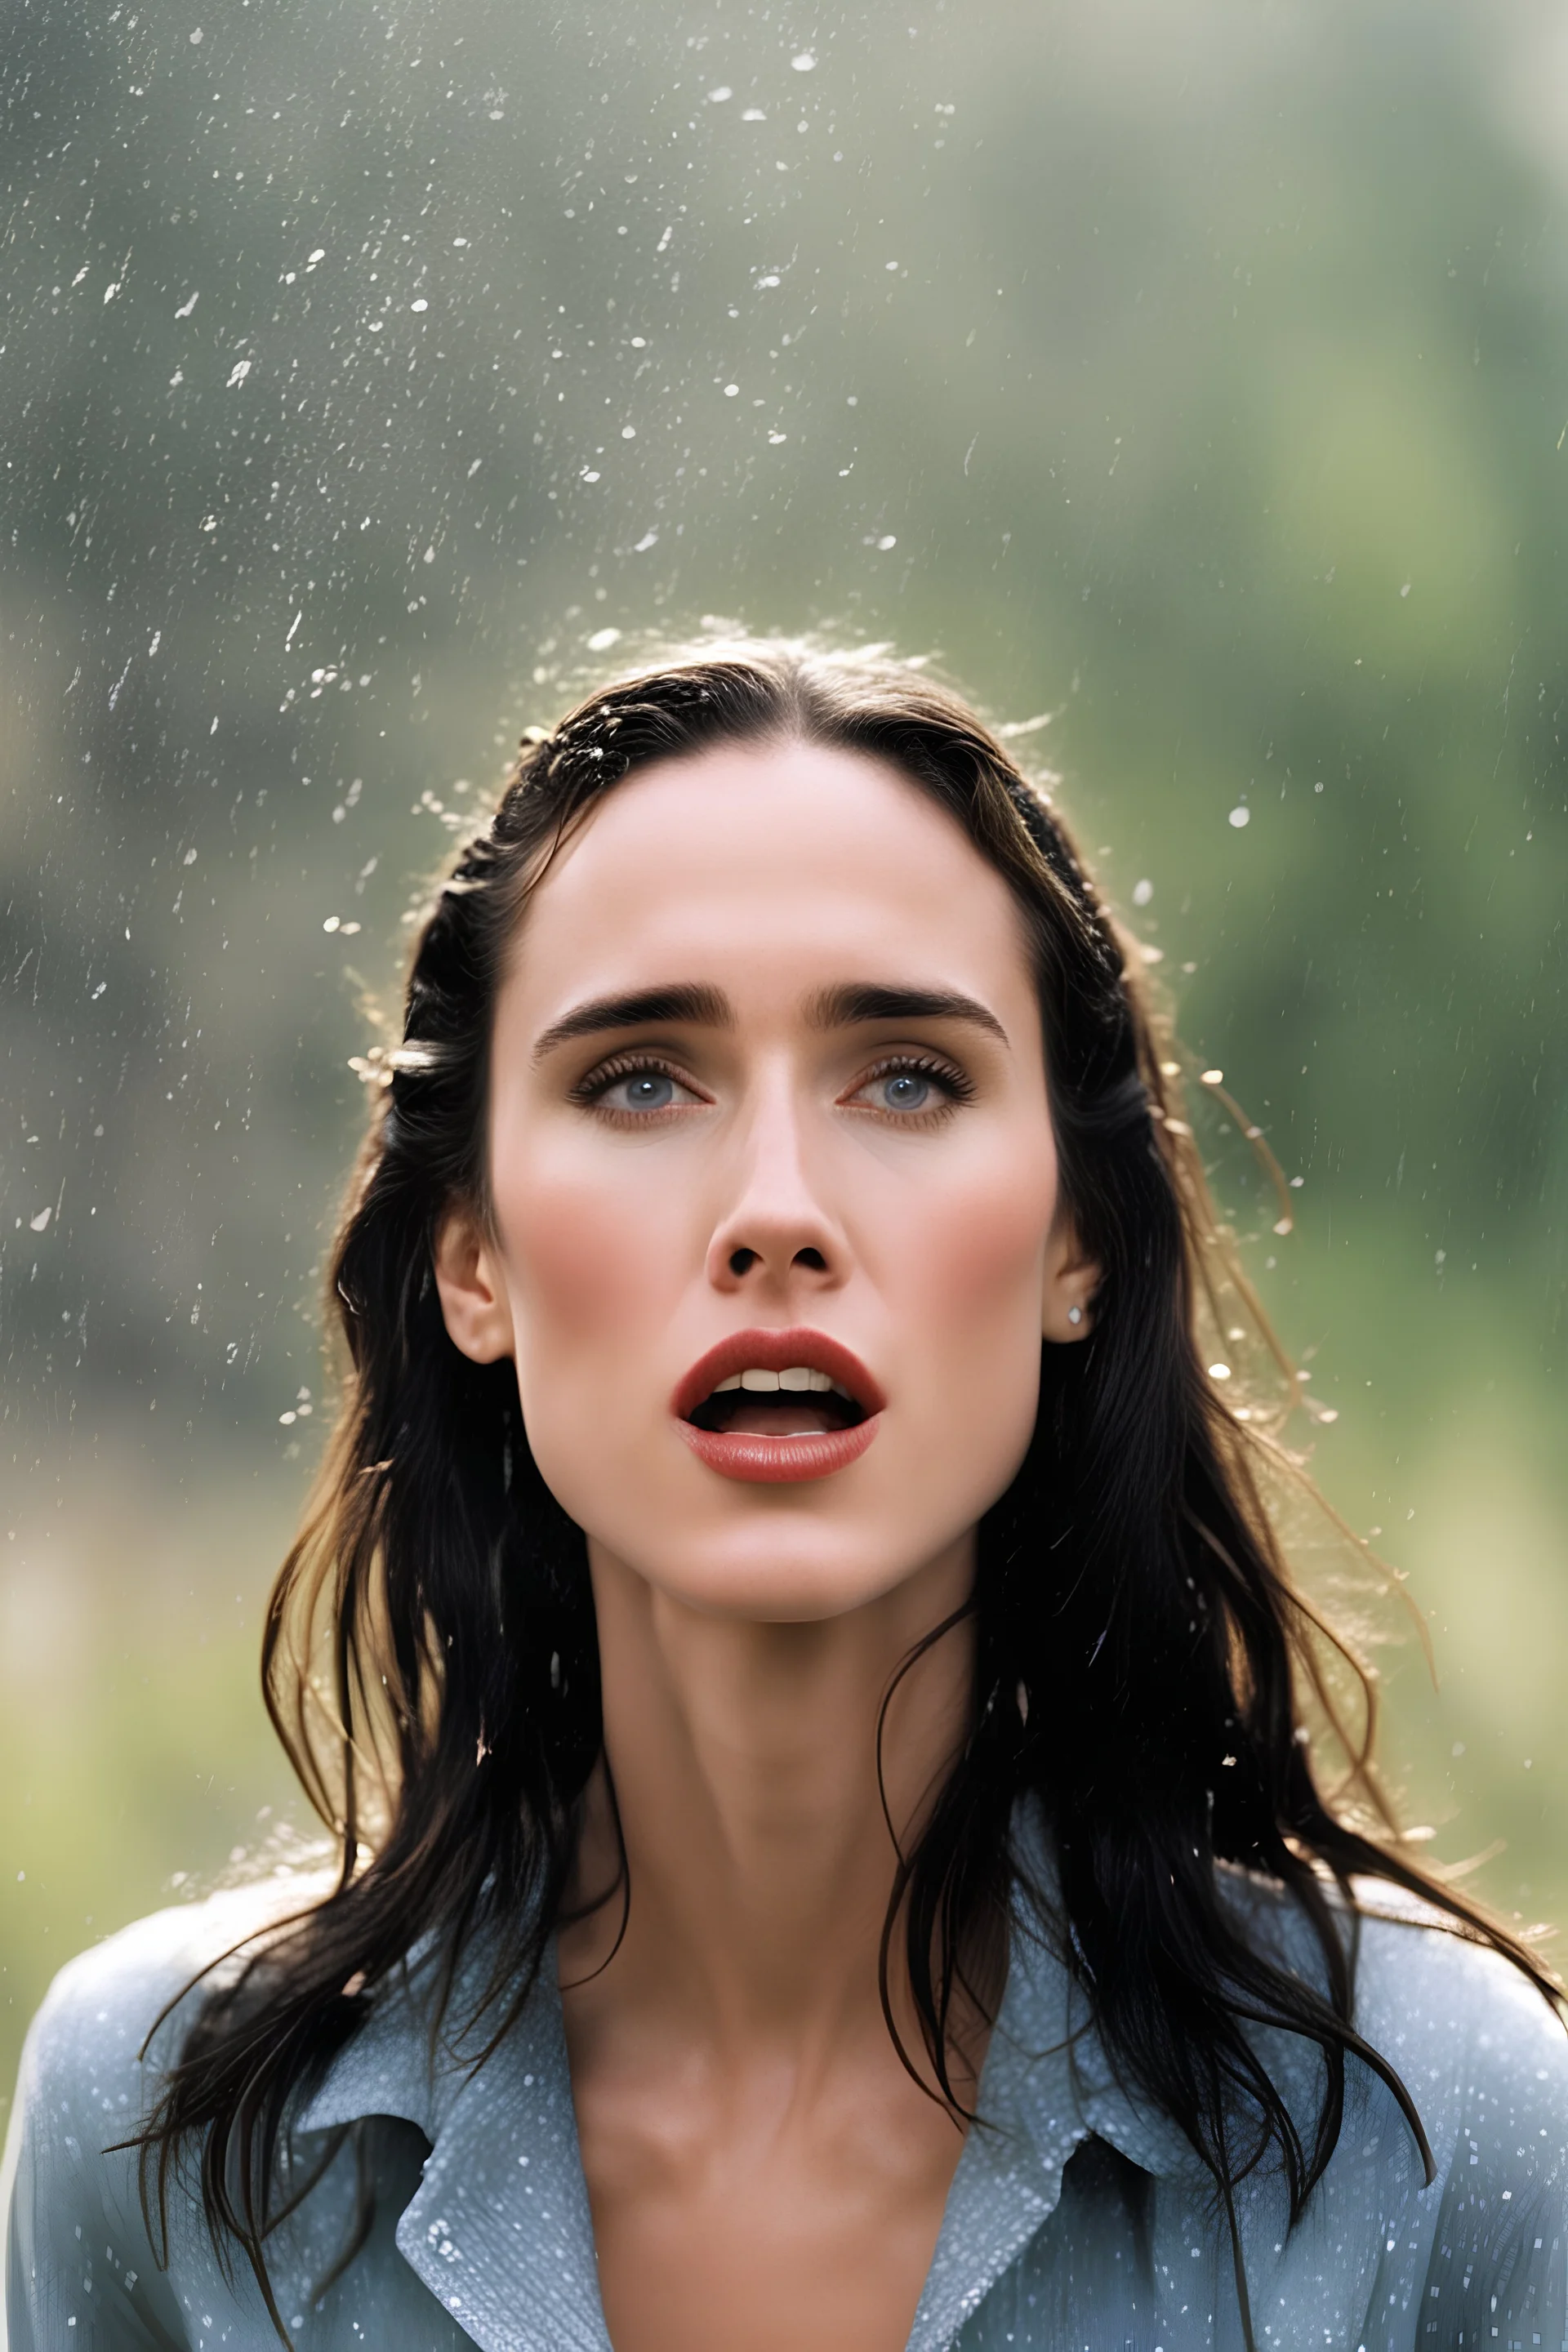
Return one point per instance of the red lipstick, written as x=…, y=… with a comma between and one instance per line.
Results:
x=754, y=1457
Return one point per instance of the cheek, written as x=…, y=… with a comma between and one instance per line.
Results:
x=981, y=1256
x=588, y=1262
x=976, y=1275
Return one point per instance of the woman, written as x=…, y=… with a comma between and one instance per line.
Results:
x=789, y=1642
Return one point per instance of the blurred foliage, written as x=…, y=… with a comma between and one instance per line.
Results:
x=1195, y=373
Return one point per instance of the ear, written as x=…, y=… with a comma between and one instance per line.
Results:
x=474, y=1302
x=1071, y=1281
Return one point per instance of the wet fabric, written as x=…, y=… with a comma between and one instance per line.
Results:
x=1078, y=2221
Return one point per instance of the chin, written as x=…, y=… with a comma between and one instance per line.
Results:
x=811, y=1596
x=779, y=1575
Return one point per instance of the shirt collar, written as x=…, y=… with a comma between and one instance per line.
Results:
x=499, y=2229
x=1046, y=2087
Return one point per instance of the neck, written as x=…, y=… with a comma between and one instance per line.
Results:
x=745, y=1769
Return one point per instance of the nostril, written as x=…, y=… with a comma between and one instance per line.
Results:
x=742, y=1260
x=813, y=1259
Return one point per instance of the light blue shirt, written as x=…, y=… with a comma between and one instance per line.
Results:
x=1077, y=2220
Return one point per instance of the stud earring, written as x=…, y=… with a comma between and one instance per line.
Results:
x=1074, y=1315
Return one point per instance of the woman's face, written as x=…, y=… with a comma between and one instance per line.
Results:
x=775, y=1187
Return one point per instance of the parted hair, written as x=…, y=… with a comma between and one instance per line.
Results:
x=1146, y=1670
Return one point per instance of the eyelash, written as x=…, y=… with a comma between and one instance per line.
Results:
x=955, y=1083
x=589, y=1091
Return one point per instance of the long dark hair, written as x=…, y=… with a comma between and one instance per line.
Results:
x=1144, y=1665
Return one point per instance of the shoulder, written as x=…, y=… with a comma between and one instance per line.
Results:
x=1474, y=2040
x=112, y=2019
x=76, y=2234
x=91, y=2030
x=1483, y=2054
x=1485, y=2058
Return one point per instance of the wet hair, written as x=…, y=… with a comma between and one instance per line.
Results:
x=1146, y=1668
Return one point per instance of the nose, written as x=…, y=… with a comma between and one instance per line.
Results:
x=775, y=1235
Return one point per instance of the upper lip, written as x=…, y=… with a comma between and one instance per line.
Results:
x=776, y=1351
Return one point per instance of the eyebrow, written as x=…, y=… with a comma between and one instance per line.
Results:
x=842, y=1008
x=690, y=1001
x=693, y=1002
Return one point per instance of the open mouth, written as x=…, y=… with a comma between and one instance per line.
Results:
x=797, y=1401
x=778, y=1406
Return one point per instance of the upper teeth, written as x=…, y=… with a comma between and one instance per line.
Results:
x=797, y=1376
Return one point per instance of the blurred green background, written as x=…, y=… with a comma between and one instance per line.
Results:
x=1195, y=372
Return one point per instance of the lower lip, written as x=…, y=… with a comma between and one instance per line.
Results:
x=780, y=1461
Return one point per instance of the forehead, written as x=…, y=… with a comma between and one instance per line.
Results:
x=770, y=860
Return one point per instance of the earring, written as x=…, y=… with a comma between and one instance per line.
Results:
x=1074, y=1315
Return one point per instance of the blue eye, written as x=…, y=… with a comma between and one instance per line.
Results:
x=643, y=1090
x=905, y=1091
x=914, y=1090
x=636, y=1094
